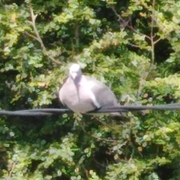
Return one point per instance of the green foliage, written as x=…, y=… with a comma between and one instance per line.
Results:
x=132, y=46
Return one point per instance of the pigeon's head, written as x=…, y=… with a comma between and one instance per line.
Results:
x=75, y=71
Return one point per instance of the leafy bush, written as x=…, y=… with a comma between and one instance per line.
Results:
x=132, y=46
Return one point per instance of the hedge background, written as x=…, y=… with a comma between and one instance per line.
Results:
x=131, y=45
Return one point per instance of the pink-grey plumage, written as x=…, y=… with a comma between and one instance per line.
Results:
x=82, y=93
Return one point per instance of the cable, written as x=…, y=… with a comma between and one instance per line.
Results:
x=55, y=111
x=24, y=113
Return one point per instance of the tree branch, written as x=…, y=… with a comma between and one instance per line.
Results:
x=125, y=23
x=38, y=37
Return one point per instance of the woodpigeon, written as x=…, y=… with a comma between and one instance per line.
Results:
x=83, y=94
